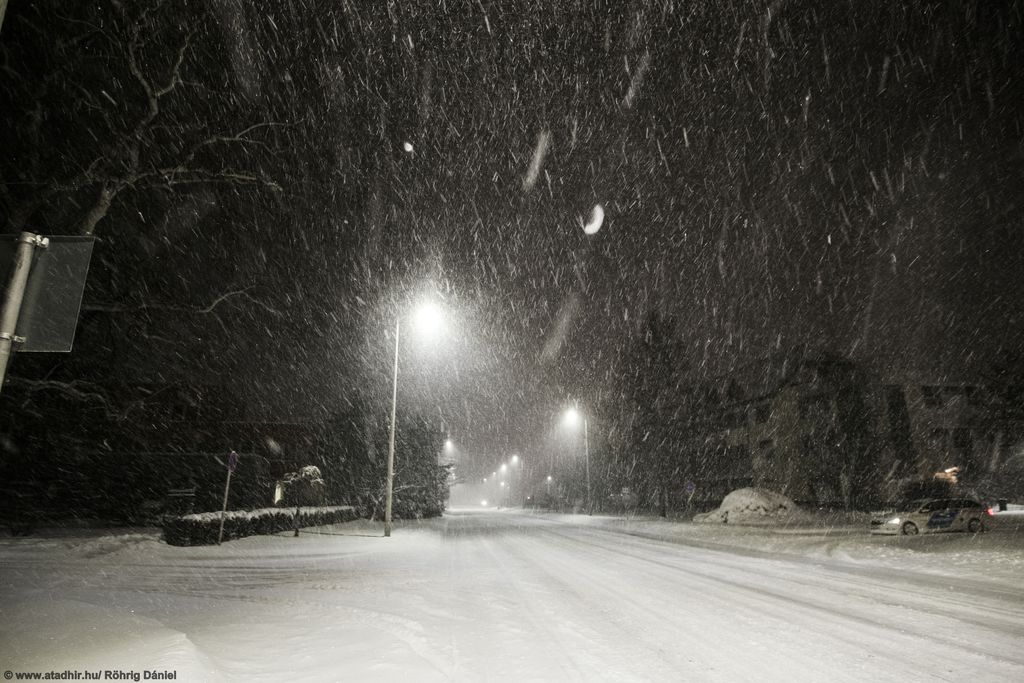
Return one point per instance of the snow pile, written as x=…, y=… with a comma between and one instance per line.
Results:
x=750, y=506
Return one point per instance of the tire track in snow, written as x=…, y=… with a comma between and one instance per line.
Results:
x=935, y=599
x=907, y=628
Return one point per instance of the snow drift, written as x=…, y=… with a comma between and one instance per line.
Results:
x=750, y=506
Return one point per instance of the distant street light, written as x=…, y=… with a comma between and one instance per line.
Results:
x=572, y=417
x=428, y=323
x=512, y=479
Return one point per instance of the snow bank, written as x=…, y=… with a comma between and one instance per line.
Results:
x=750, y=506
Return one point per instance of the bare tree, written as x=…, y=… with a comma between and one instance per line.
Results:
x=111, y=100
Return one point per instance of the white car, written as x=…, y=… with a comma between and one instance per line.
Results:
x=932, y=515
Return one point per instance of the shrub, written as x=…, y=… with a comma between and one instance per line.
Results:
x=203, y=528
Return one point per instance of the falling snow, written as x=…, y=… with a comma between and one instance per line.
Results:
x=771, y=246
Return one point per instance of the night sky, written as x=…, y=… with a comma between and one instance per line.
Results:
x=845, y=177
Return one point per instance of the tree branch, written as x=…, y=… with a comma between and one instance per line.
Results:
x=121, y=308
x=121, y=164
x=76, y=389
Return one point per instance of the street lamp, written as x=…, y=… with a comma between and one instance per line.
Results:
x=515, y=461
x=573, y=417
x=427, y=321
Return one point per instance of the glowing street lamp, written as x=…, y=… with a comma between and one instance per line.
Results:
x=573, y=417
x=427, y=320
x=516, y=460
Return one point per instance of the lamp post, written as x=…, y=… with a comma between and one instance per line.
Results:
x=512, y=479
x=573, y=416
x=429, y=318
x=507, y=493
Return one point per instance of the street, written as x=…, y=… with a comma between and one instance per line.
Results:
x=484, y=595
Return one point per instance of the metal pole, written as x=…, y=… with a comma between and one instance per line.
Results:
x=391, y=438
x=27, y=242
x=586, y=453
x=223, y=510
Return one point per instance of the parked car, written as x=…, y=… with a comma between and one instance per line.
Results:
x=932, y=515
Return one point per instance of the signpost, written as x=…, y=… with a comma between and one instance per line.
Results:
x=691, y=488
x=232, y=464
x=45, y=278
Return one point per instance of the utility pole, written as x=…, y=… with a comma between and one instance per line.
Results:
x=586, y=454
x=391, y=438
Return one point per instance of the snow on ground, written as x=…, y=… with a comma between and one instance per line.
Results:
x=506, y=595
x=994, y=556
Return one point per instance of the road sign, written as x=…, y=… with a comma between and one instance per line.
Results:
x=48, y=316
x=690, y=488
x=232, y=461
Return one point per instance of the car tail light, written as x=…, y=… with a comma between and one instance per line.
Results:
x=988, y=511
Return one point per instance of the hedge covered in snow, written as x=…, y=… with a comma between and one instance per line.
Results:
x=203, y=528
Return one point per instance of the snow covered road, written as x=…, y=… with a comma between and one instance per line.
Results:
x=491, y=596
